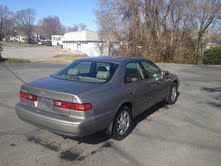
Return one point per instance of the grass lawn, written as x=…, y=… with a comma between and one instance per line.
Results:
x=60, y=58
x=22, y=44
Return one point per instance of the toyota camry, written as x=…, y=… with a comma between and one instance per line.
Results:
x=96, y=94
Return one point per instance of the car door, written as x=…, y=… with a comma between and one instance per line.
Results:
x=154, y=79
x=134, y=85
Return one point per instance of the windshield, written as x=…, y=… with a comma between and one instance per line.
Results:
x=87, y=71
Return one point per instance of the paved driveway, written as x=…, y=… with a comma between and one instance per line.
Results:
x=32, y=52
x=187, y=133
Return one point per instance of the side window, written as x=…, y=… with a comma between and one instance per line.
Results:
x=133, y=72
x=84, y=67
x=102, y=66
x=150, y=69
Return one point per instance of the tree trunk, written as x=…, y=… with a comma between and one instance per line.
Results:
x=197, y=49
x=29, y=35
x=1, y=29
x=0, y=53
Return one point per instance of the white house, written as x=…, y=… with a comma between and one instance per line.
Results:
x=56, y=40
x=87, y=42
x=18, y=38
x=24, y=38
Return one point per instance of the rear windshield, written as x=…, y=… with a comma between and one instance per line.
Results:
x=87, y=71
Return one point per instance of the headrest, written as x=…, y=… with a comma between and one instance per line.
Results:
x=102, y=68
x=74, y=72
x=103, y=75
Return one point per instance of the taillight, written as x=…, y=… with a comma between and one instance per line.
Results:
x=73, y=106
x=28, y=96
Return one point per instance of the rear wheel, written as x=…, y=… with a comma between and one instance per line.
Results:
x=122, y=123
x=172, y=98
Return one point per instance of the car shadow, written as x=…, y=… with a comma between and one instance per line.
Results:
x=214, y=89
x=148, y=112
x=216, y=99
x=101, y=137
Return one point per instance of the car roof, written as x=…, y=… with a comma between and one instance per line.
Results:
x=115, y=59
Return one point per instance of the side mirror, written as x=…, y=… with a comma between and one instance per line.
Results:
x=165, y=73
x=158, y=76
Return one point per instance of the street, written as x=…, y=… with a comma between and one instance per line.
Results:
x=187, y=133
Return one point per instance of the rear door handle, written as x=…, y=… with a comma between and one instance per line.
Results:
x=131, y=92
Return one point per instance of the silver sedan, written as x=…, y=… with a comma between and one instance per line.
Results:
x=95, y=94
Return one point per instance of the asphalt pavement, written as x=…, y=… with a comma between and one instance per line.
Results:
x=33, y=52
x=187, y=133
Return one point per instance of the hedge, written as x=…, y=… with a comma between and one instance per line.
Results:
x=212, y=56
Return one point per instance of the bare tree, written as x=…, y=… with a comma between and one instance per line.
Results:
x=164, y=30
x=77, y=27
x=206, y=13
x=51, y=25
x=25, y=20
x=72, y=28
x=5, y=19
x=82, y=27
x=113, y=27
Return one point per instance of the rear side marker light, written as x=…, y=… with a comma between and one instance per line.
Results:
x=73, y=106
x=28, y=96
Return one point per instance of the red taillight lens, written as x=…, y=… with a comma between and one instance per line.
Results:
x=24, y=95
x=87, y=106
x=81, y=107
x=28, y=96
x=73, y=106
x=62, y=104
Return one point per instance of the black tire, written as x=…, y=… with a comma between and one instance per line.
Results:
x=171, y=99
x=115, y=131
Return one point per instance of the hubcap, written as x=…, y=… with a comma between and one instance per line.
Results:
x=123, y=122
x=173, y=93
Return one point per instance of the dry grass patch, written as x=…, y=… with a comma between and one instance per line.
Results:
x=60, y=58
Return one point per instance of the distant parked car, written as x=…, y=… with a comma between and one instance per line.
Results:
x=94, y=94
x=47, y=43
x=40, y=42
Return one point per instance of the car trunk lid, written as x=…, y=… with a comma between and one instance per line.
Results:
x=63, y=86
x=49, y=89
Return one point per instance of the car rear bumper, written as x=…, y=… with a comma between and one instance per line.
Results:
x=57, y=125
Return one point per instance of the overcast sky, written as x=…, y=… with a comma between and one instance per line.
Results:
x=69, y=11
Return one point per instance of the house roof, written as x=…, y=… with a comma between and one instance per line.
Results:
x=81, y=36
x=56, y=36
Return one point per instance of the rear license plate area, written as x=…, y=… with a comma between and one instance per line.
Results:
x=45, y=104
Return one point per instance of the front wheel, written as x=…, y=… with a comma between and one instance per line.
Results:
x=122, y=123
x=172, y=98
